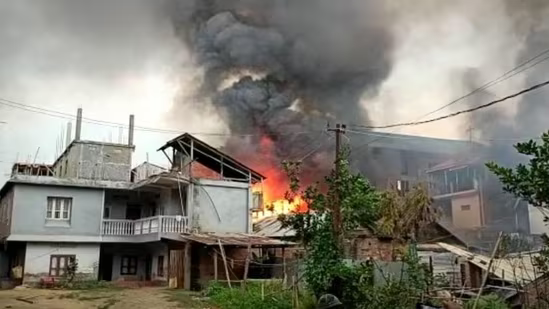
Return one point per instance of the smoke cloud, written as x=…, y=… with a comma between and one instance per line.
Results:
x=279, y=68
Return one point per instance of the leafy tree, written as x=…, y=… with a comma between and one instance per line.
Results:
x=359, y=203
x=361, y=207
x=528, y=181
x=403, y=215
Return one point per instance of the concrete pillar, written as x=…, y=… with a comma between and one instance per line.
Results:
x=131, y=128
x=69, y=134
x=78, y=129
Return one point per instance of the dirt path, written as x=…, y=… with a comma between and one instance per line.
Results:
x=142, y=298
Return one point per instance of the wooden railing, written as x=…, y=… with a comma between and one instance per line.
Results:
x=150, y=225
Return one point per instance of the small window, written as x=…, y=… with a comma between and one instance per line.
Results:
x=160, y=266
x=60, y=263
x=59, y=208
x=128, y=265
x=465, y=207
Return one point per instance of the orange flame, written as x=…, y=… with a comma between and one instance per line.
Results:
x=275, y=186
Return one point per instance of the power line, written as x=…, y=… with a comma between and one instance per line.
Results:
x=469, y=110
x=485, y=86
x=498, y=80
x=58, y=114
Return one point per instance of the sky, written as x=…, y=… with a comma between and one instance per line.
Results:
x=116, y=58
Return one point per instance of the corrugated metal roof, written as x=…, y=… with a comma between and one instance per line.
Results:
x=272, y=227
x=235, y=239
x=513, y=269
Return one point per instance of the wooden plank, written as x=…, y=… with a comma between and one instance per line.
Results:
x=247, y=265
x=215, y=265
x=224, y=262
x=487, y=273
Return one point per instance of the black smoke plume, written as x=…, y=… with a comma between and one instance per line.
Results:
x=295, y=65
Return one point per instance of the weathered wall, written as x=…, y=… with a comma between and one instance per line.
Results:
x=29, y=214
x=466, y=212
x=38, y=255
x=95, y=160
x=141, y=251
x=394, y=164
x=6, y=208
x=222, y=206
x=366, y=248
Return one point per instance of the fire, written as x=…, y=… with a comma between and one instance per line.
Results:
x=275, y=186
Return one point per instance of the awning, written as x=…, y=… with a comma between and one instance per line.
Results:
x=235, y=239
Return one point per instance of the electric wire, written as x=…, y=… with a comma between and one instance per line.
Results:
x=469, y=110
x=63, y=115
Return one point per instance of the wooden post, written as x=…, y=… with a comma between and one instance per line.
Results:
x=262, y=290
x=285, y=275
x=187, y=267
x=215, y=265
x=247, y=265
x=224, y=262
x=487, y=273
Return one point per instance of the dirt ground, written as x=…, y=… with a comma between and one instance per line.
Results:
x=142, y=298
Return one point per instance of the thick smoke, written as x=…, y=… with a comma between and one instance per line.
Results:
x=501, y=127
x=280, y=68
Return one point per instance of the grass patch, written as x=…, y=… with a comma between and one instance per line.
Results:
x=273, y=295
x=186, y=299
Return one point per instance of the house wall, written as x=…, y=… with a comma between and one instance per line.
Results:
x=389, y=165
x=536, y=216
x=38, y=256
x=463, y=217
x=29, y=214
x=367, y=248
x=94, y=160
x=6, y=208
x=222, y=206
x=141, y=251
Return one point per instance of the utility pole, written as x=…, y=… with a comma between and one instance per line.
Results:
x=336, y=208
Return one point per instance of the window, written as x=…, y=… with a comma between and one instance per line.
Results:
x=59, y=208
x=465, y=207
x=128, y=265
x=160, y=266
x=60, y=263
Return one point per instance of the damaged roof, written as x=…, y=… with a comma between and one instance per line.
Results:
x=514, y=269
x=235, y=239
x=272, y=227
x=212, y=158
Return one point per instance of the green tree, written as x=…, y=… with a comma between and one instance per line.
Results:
x=359, y=203
x=403, y=215
x=529, y=181
x=361, y=207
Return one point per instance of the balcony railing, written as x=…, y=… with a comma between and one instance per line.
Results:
x=150, y=225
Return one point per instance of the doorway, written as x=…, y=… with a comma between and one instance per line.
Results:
x=105, y=266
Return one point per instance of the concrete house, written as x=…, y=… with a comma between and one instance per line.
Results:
x=120, y=223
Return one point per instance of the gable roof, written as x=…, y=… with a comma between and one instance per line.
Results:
x=211, y=157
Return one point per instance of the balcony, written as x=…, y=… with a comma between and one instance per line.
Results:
x=146, y=226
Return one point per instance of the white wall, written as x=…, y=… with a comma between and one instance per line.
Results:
x=223, y=206
x=537, y=225
x=37, y=259
x=141, y=251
